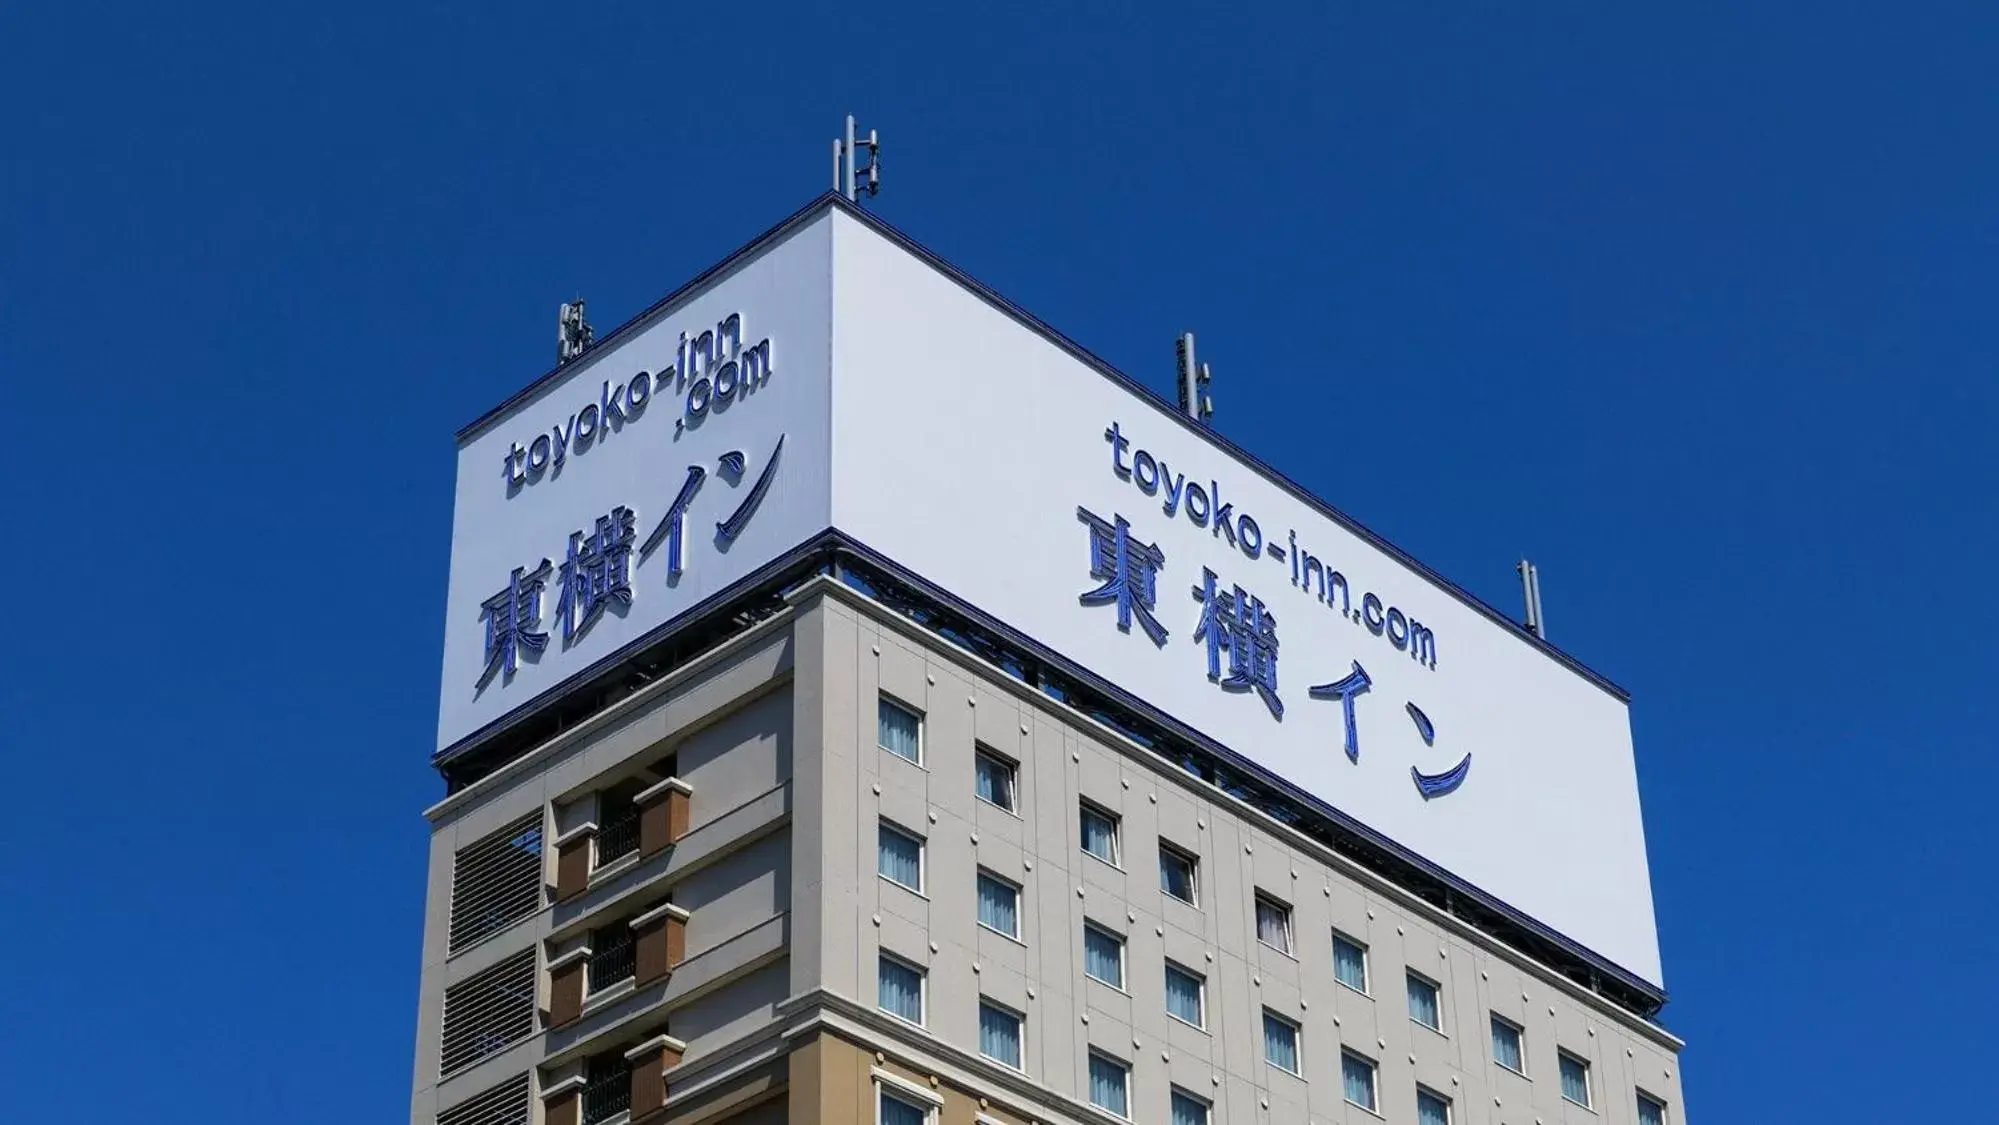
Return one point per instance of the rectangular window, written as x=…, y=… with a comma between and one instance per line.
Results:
x=1506, y=1045
x=1280, y=1042
x=1273, y=923
x=901, y=989
x=901, y=859
x=1432, y=1109
x=1357, y=1080
x=994, y=779
x=1349, y=962
x=1103, y=955
x=1188, y=1109
x=1575, y=1079
x=1423, y=1003
x=1110, y=1084
x=999, y=905
x=1100, y=834
x=901, y=730
x=1176, y=873
x=1186, y=998
x=999, y=1033
x=901, y=1111
x=1651, y=1111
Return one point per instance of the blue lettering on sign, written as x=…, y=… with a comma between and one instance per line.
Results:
x=1129, y=571
x=596, y=575
x=513, y=620
x=711, y=371
x=1205, y=507
x=1238, y=624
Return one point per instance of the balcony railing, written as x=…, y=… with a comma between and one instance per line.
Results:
x=607, y=1089
x=618, y=837
x=613, y=956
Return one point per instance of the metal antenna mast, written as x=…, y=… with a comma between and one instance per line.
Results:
x=1530, y=585
x=572, y=332
x=846, y=180
x=1194, y=380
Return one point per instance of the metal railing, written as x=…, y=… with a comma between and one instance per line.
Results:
x=618, y=836
x=488, y=1012
x=505, y=1104
x=607, y=1088
x=496, y=881
x=614, y=956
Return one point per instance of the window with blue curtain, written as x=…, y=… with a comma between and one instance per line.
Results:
x=1273, y=923
x=1575, y=1079
x=1100, y=834
x=1431, y=1109
x=1189, y=1110
x=1108, y=1082
x=1357, y=1080
x=1651, y=1111
x=1183, y=996
x=901, y=858
x=999, y=905
x=1103, y=956
x=1176, y=873
x=1423, y=1006
x=896, y=1111
x=994, y=780
x=1280, y=1042
x=999, y=1034
x=901, y=990
x=1349, y=963
x=1506, y=1046
x=901, y=731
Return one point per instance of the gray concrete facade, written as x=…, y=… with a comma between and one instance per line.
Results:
x=776, y=733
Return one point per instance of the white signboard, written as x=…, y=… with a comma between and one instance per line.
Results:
x=650, y=474
x=983, y=457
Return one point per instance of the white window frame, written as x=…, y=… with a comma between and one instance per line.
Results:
x=1117, y=832
x=1289, y=949
x=1665, y=1117
x=988, y=873
x=906, y=1092
x=922, y=989
x=1366, y=970
x=1450, y=1107
x=1207, y=1107
x=922, y=857
x=1200, y=993
x=1297, y=1041
x=981, y=750
x=1019, y=1033
x=884, y=699
x=1519, y=1036
x=1373, y=1080
x=1589, y=1088
x=1123, y=958
x=1193, y=863
x=1436, y=990
x=1124, y=1068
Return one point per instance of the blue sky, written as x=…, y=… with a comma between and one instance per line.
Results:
x=1693, y=306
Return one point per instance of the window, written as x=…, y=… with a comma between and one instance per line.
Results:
x=999, y=1033
x=901, y=1111
x=1280, y=1042
x=1176, y=873
x=613, y=956
x=901, y=989
x=901, y=730
x=1506, y=1045
x=1188, y=1109
x=1575, y=1079
x=1349, y=962
x=999, y=905
x=1186, y=998
x=995, y=779
x=1110, y=1082
x=607, y=1087
x=1423, y=1005
x=1103, y=955
x=901, y=859
x=1273, y=923
x=1357, y=1080
x=1432, y=1109
x=617, y=822
x=1651, y=1111
x=1100, y=834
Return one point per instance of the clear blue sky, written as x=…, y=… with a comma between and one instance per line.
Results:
x=1695, y=307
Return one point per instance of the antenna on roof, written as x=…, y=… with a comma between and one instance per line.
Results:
x=1530, y=585
x=572, y=332
x=1194, y=380
x=846, y=180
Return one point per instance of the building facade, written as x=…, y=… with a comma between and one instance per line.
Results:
x=830, y=842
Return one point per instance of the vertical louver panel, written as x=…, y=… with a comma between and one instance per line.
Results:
x=488, y=1012
x=496, y=881
x=505, y=1104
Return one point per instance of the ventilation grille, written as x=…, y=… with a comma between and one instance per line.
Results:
x=488, y=1012
x=505, y=1104
x=496, y=881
